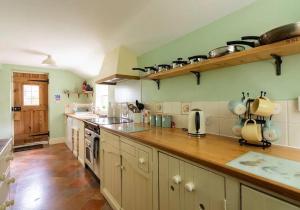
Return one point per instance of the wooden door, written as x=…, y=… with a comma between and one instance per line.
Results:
x=111, y=180
x=255, y=200
x=30, y=108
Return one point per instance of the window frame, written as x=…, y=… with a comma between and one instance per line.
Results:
x=23, y=95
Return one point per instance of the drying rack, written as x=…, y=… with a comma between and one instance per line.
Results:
x=259, y=120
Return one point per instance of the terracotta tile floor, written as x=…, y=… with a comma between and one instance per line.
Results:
x=52, y=179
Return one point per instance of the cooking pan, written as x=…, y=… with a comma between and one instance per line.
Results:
x=275, y=35
x=221, y=51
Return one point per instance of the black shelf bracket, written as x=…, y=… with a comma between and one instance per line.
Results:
x=278, y=62
x=157, y=81
x=197, y=75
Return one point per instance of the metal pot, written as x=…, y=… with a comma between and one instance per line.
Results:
x=151, y=69
x=179, y=63
x=275, y=35
x=140, y=69
x=163, y=67
x=225, y=50
x=197, y=58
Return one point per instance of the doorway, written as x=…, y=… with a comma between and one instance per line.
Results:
x=30, y=109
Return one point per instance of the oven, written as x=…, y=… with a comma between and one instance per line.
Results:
x=92, y=144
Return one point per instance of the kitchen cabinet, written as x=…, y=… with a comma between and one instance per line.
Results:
x=254, y=200
x=5, y=177
x=183, y=186
x=137, y=190
x=110, y=169
x=126, y=173
x=75, y=138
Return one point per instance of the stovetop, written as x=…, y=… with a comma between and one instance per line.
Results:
x=108, y=120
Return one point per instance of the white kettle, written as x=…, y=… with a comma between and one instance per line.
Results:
x=196, y=126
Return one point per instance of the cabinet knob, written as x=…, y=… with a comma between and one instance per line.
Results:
x=9, y=158
x=190, y=186
x=177, y=179
x=141, y=160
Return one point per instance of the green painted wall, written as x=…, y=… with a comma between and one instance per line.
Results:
x=59, y=81
x=225, y=84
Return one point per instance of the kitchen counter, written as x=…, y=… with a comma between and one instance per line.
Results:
x=3, y=143
x=81, y=116
x=212, y=151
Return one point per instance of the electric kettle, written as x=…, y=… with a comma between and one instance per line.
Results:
x=196, y=122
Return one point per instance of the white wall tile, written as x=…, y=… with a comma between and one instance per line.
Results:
x=284, y=133
x=181, y=121
x=172, y=108
x=293, y=113
x=212, y=125
x=226, y=126
x=210, y=108
x=283, y=115
x=223, y=110
x=294, y=134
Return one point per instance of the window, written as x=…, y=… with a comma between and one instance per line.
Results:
x=31, y=95
x=102, y=98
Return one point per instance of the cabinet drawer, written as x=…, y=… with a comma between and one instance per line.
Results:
x=111, y=139
x=128, y=149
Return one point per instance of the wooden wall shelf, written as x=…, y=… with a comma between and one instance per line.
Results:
x=87, y=93
x=265, y=52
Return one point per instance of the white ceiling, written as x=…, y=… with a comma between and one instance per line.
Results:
x=77, y=33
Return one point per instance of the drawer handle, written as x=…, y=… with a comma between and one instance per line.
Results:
x=142, y=160
x=177, y=179
x=9, y=158
x=190, y=186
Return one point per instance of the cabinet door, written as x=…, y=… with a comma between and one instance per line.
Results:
x=255, y=200
x=69, y=133
x=136, y=181
x=111, y=180
x=169, y=182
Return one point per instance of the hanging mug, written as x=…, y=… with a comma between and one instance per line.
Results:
x=237, y=107
x=262, y=107
x=271, y=132
x=251, y=131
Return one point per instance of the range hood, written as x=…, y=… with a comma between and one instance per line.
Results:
x=117, y=67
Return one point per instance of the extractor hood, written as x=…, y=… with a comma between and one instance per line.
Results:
x=117, y=66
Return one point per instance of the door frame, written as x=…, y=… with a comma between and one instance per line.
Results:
x=12, y=103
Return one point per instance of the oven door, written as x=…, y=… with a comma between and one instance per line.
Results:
x=89, y=159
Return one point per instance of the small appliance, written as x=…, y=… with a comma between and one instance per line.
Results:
x=196, y=123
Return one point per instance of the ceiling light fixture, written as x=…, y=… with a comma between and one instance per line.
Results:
x=49, y=61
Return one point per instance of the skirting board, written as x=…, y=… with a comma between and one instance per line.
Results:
x=57, y=140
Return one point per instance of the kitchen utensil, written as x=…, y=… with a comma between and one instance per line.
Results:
x=158, y=119
x=133, y=108
x=179, y=63
x=153, y=120
x=196, y=122
x=275, y=35
x=262, y=106
x=237, y=107
x=271, y=132
x=197, y=58
x=225, y=50
x=251, y=131
x=139, y=105
x=237, y=128
x=163, y=67
x=166, y=121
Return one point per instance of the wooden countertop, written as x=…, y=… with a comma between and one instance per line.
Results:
x=214, y=152
x=81, y=116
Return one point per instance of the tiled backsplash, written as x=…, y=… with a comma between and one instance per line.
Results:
x=219, y=120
